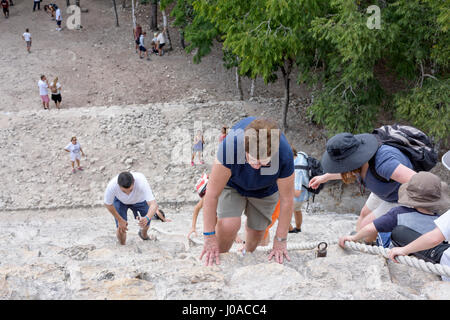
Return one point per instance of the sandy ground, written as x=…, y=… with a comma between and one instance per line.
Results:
x=98, y=66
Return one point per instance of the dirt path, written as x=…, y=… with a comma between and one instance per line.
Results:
x=98, y=66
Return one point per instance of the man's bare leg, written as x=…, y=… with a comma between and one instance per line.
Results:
x=226, y=231
x=121, y=236
x=253, y=238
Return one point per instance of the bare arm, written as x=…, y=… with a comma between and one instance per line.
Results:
x=368, y=231
x=402, y=174
x=424, y=242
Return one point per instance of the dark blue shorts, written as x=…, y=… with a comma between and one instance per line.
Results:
x=122, y=209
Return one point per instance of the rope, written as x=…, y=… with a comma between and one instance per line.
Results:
x=411, y=261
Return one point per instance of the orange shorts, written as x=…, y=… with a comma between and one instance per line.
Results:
x=275, y=215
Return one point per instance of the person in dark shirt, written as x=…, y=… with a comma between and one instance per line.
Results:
x=252, y=171
x=425, y=197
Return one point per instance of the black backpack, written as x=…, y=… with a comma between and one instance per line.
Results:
x=412, y=142
x=313, y=168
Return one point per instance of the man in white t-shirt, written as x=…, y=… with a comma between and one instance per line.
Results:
x=43, y=91
x=433, y=239
x=58, y=19
x=27, y=37
x=130, y=190
x=160, y=42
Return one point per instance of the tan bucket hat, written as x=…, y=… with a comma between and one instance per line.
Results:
x=425, y=190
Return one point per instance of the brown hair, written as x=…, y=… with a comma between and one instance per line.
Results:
x=350, y=176
x=294, y=151
x=254, y=127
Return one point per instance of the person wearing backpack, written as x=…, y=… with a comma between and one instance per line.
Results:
x=300, y=192
x=347, y=157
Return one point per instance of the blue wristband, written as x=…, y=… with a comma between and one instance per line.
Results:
x=209, y=233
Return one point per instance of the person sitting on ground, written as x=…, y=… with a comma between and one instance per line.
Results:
x=55, y=89
x=252, y=171
x=5, y=6
x=423, y=198
x=154, y=43
x=74, y=148
x=429, y=246
x=161, y=42
x=142, y=48
x=50, y=9
x=136, y=34
x=348, y=156
x=130, y=190
x=300, y=192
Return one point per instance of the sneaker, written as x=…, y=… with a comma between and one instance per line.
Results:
x=80, y=168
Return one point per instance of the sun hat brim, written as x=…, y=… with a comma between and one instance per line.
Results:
x=446, y=160
x=365, y=151
x=439, y=206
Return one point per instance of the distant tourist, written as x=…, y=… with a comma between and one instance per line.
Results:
x=58, y=19
x=155, y=43
x=27, y=38
x=43, y=91
x=137, y=33
x=198, y=147
x=37, y=3
x=223, y=133
x=51, y=10
x=142, y=49
x=300, y=192
x=160, y=42
x=5, y=6
x=55, y=88
x=130, y=190
x=75, y=151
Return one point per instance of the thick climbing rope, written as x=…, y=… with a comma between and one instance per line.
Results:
x=411, y=261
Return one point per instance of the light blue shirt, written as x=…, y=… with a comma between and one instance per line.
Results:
x=301, y=178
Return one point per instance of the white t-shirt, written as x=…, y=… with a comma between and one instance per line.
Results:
x=43, y=88
x=141, y=40
x=141, y=191
x=161, y=38
x=73, y=148
x=443, y=223
x=58, y=14
x=27, y=36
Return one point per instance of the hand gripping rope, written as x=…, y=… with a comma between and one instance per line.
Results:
x=411, y=261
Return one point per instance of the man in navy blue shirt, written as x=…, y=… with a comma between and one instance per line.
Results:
x=253, y=170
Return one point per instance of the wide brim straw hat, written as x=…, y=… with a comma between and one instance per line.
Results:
x=346, y=152
x=425, y=190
